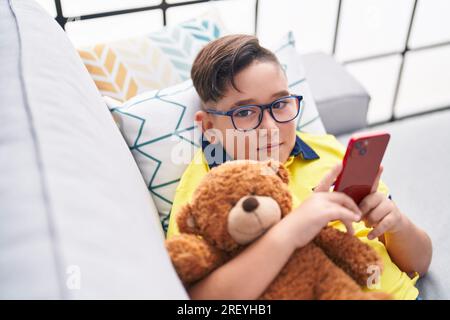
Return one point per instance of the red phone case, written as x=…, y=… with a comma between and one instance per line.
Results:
x=361, y=163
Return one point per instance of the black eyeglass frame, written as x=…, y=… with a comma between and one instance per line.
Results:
x=262, y=107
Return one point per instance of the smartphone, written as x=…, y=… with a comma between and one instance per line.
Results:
x=361, y=163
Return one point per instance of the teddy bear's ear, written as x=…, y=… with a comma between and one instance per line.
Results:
x=280, y=170
x=283, y=174
x=185, y=220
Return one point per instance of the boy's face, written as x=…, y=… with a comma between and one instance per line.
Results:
x=259, y=83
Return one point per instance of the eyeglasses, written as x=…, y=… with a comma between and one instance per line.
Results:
x=249, y=117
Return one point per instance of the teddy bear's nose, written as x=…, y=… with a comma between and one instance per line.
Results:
x=250, y=204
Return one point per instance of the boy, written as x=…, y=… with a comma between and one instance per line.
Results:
x=244, y=90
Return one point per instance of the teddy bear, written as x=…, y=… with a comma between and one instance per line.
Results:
x=234, y=204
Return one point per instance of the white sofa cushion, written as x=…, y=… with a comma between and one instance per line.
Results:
x=158, y=126
x=76, y=219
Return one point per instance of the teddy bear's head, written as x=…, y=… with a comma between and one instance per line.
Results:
x=237, y=202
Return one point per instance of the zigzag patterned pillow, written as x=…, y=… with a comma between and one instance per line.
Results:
x=158, y=126
x=122, y=69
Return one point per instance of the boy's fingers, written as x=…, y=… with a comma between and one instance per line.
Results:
x=370, y=202
x=328, y=180
x=377, y=214
x=349, y=227
x=380, y=229
x=345, y=215
x=377, y=180
x=337, y=212
x=345, y=200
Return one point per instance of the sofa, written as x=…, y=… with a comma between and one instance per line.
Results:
x=76, y=218
x=77, y=221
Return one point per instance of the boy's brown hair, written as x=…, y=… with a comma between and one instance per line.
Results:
x=219, y=61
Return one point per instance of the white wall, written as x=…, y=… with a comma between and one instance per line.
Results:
x=373, y=29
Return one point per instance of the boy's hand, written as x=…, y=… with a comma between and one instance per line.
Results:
x=380, y=212
x=306, y=221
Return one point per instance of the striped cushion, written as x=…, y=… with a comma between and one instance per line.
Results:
x=122, y=69
x=158, y=127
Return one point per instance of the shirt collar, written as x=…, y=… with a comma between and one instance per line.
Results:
x=300, y=148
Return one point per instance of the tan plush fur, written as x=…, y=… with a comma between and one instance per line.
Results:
x=333, y=266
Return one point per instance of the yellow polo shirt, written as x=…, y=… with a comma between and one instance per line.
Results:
x=315, y=155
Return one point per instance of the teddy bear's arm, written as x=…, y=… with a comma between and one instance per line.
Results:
x=356, y=258
x=192, y=257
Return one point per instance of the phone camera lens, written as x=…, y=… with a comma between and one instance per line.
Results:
x=358, y=145
x=362, y=151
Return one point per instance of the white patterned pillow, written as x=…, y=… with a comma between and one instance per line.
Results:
x=125, y=68
x=158, y=126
